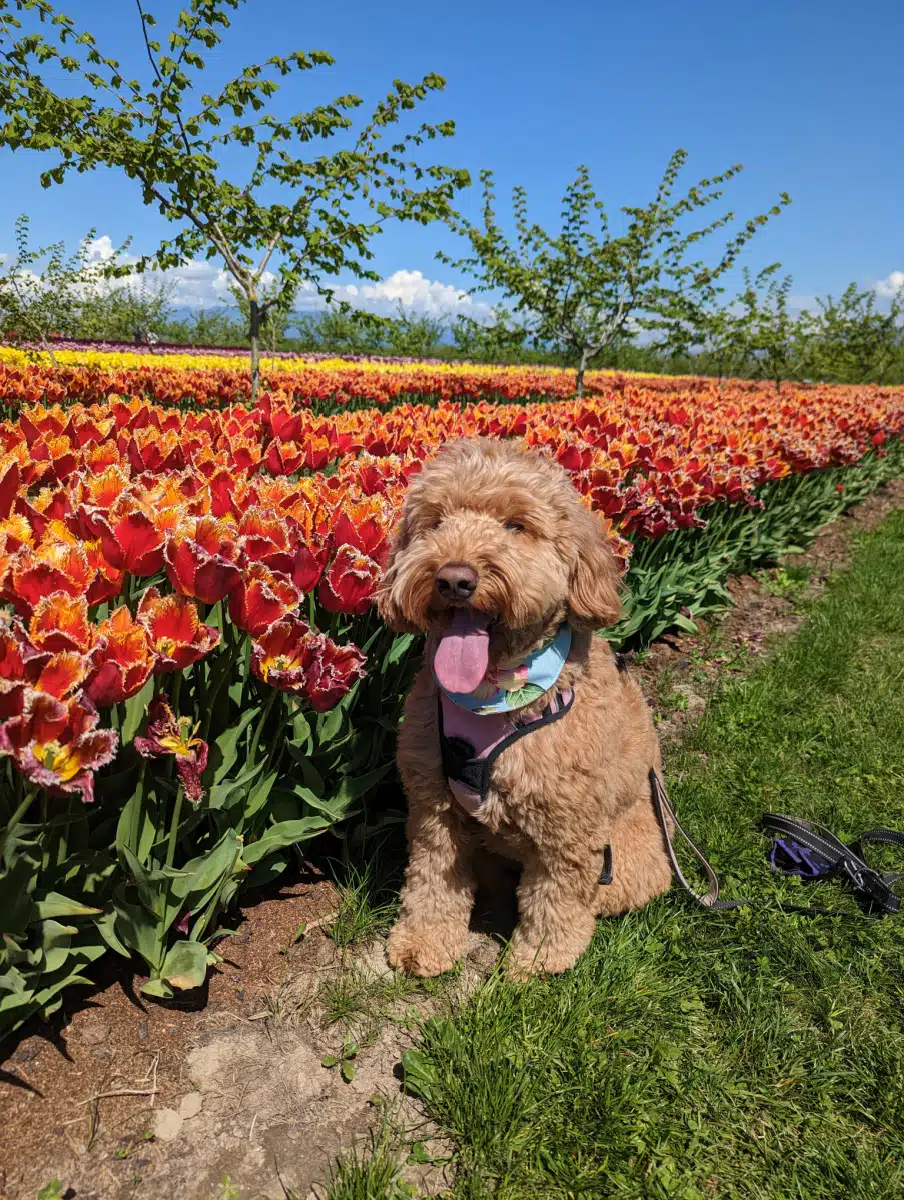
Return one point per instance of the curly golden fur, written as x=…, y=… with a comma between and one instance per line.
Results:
x=559, y=795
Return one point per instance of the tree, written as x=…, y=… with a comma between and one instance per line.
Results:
x=850, y=340
x=276, y=309
x=766, y=331
x=488, y=341
x=413, y=334
x=116, y=310
x=43, y=292
x=168, y=133
x=582, y=288
x=341, y=327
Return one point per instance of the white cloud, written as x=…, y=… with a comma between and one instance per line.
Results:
x=413, y=290
x=98, y=250
x=203, y=283
x=889, y=287
x=800, y=303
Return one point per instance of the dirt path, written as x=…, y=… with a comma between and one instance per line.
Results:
x=228, y=1097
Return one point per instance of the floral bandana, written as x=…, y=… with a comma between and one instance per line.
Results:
x=507, y=688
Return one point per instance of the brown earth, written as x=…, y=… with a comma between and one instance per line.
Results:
x=224, y=1096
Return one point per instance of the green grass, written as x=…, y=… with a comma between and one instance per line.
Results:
x=694, y=1054
x=374, y=1175
x=367, y=907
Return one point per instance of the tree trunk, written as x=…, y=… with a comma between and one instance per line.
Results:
x=579, y=382
x=254, y=329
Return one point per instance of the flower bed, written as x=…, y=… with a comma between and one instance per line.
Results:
x=326, y=384
x=192, y=678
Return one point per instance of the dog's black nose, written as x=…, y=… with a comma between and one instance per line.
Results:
x=456, y=581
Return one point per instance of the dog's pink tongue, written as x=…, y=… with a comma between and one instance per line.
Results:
x=463, y=653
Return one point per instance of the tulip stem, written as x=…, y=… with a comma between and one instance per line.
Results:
x=15, y=819
x=224, y=671
x=63, y=840
x=252, y=752
x=174, y=826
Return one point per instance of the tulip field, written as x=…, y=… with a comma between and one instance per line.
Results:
x=193, y=679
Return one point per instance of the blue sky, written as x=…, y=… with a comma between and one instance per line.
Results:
x=805, y=94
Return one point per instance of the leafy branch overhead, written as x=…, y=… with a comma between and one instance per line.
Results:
x=171, y=135
x=586, y=286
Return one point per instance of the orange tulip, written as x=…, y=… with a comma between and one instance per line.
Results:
x=176, y=635
x=60, y=622
x=121, y=662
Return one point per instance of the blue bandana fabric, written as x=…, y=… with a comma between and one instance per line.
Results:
x=508, y=688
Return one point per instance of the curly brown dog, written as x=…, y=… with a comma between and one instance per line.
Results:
x=497, y=559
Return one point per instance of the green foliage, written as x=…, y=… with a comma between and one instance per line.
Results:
x=764, y=327
x=373, y=1175
x=169, y=134
x=584, y=287
x=116, y=311
x=749, y=1054
x=849, y=340
x=682, y=574
x=147, y=874
x=43, y=292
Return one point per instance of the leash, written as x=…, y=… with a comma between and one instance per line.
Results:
x=805, y=849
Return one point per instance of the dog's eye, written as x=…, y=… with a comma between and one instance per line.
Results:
x=515, y=526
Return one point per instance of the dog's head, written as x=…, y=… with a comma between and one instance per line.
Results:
x=493, y=532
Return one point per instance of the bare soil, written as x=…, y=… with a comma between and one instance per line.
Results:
x=224, y=1096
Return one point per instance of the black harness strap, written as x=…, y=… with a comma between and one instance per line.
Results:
x=806, y=849
x=606, y=873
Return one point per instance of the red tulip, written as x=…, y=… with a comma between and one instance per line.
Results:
x=288, y=656
x=349, y=582
x=260, y=599
x=169, y=734
x=57, y=746
x=201, y=561
x=60, y=622
x=53, y=567
x=132, y=543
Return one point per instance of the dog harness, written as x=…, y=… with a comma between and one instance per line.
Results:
x=476, y=727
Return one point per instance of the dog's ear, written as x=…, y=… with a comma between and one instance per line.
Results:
x=388, y=605
x=593, y=593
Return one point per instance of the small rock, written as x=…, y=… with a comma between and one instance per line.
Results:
x=167, y=1124
x=142, y=1031
x=94, y=1033
x=190, y=1105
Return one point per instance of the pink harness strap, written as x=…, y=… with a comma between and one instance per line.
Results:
x=470, y=744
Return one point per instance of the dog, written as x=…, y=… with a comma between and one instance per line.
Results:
x=499, y=562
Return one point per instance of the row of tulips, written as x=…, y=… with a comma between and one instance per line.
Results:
x=649, y=457
x=324, y=385
x=83, y=346
x=193, y=680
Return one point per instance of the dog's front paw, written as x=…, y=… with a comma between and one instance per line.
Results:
x=525, y=961
x=550, y=956
x=423, y=952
